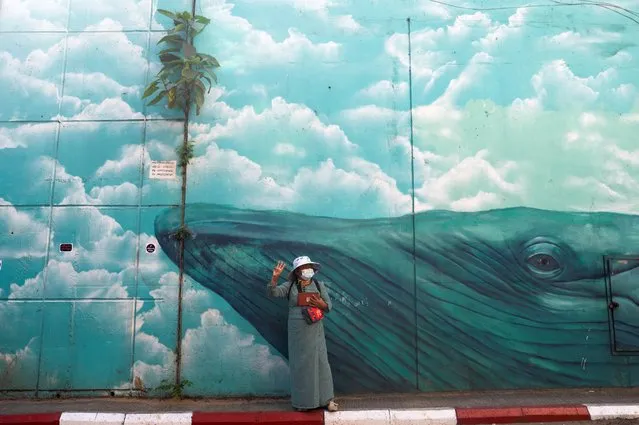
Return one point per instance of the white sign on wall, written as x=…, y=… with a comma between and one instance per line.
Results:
x=163, y=170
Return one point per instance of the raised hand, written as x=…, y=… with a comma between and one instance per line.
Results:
x=278, y=269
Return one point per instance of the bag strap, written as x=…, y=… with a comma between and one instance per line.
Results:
x=288, y=295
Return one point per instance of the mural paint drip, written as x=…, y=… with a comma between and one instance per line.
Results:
x=461, y=179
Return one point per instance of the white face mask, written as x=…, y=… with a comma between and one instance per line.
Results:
x=307, y=274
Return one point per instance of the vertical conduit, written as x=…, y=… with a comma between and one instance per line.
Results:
x=412, y=177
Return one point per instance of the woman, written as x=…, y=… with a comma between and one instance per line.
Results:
x=311, y=377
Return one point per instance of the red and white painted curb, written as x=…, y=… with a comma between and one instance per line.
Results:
x=444, y=416
x=480, y=416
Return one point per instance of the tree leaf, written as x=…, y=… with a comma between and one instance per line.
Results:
x=198, y=28
x=203, y=20
x=172, y=97
x=198, y=87
x=211, y=74
x=168, y=71
x=150, y=89
x=178, y=28
x=169, y=50
x=167, y=13
x=199, y=99
x=170, y=58
x=210, y=83
x=171, y=38
x=157, y=98
x=171, y=65
x=210, y=59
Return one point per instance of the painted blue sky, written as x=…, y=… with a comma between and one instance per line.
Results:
x=513, y=103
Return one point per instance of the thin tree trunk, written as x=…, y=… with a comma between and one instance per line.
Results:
x=185, y=143
x=178, y=354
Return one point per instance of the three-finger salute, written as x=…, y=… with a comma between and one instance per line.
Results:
x=277, y=271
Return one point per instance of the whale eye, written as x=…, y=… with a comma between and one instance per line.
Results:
x=544, y=259
x=543, y=262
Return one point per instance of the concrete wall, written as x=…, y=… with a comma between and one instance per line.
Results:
x=461, y=177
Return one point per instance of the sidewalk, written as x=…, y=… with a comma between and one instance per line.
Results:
x=477, y=407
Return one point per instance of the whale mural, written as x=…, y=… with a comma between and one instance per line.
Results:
x=435, y=301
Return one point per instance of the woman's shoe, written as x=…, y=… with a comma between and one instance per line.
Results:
x=332, y=406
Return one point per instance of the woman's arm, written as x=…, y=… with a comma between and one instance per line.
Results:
x=278, y=291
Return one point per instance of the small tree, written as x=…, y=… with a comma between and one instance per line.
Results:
x=181, y=81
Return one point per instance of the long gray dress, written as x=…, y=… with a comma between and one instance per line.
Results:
x=311, y=377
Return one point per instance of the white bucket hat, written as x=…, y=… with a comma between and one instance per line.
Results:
x=302, y=261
